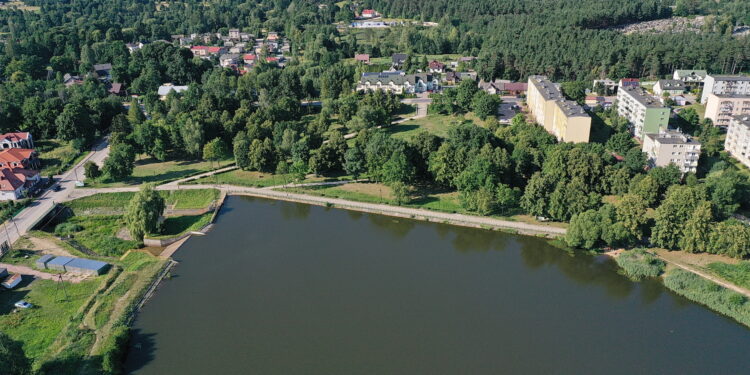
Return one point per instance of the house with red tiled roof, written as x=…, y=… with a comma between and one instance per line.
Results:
x=19, y=158
x=369, y=13
x=249, y=58
x=362, y=57
x=436, y=66
x=206, y=51
x=15, y=182
x=16, y=140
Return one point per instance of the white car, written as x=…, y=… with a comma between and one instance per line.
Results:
x=23, y=305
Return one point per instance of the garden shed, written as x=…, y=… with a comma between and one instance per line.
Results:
x=59, y=263
x=43, y=260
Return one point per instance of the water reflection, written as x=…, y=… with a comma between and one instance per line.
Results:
x=397, y=227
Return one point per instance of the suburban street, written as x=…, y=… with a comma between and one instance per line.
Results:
x=27, y=218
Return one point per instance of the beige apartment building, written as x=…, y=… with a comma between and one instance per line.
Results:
x=737, y=143
x=720, y=108
x=672, y=147
x=565, y=119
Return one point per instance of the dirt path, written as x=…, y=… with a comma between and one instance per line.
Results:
x=673, y=260
x=48, y=246
x=28, y=271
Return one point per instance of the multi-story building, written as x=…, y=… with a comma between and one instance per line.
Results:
x=565, y=119
x=738, y=139
x=669, y=86
x=644, y=112
x=672, y=147
x=721, y=108
x=725, y=85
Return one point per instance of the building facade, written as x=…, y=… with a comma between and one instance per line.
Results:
x=737, y=142
x=398, y=82
x=645, y=113
x=672, y=147
x=725, y=85
x=721, y=108
x=565, y=119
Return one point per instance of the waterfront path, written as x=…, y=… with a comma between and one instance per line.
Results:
x=665, y=256
x=383, y=209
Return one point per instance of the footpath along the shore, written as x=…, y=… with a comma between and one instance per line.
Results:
x=381, y=209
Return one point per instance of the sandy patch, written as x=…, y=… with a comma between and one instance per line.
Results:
x=48, y=246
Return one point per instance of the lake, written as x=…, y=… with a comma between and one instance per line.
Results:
x=286, y=288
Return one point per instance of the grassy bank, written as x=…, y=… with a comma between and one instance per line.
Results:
x=118, y=202
x=717, y=298
x=149, y=170
x=737, y=274
x=57, y=156
x=177, y=225
x=259, y=179
x=639, y=264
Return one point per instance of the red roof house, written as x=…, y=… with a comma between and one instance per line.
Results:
x=16, y=140
x=362, y=57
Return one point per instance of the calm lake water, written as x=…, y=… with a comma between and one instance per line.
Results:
x=285, y=288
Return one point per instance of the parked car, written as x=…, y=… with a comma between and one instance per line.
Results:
x=56, y=187
x=23, y=305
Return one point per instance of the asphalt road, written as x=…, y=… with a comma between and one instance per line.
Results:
x=27, y=218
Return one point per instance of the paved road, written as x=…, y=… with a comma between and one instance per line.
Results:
x=26, y=219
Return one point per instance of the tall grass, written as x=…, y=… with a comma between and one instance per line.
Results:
x=638, y=264
x=718, y=298
x=738, y=274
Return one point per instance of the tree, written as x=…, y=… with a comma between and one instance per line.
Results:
x=215, y=150
x=192, y=137
x=135, y=115
x=354, y=162
x=261, y=155
x=144, y=211
x=731, y=238
x=465, y=94
x=671, y=215
x=13, y=360
x=697, y=229
x=635, y=160
x=620, y=143
x=120, y=162
x=241, y=150
x=584, y=230
x=92, y=170
x=74, y=123
x=507, y=198
x=535, y=197
x=646, y=188
x=400, y=192
x=485, y=105
x=631, y=212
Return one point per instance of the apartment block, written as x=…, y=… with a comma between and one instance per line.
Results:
x=565, y=119
x=722, y=107
x=672, y=147
x=644, y=112
x=725, y=85
x=737, y=143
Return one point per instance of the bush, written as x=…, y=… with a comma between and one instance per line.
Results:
x=638, y=264
x=66, y=229
x=717, y=298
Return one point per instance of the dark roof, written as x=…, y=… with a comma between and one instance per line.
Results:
x=61, y=261
x=45, y=258
x=86, y=264
x=399, y=58
x=397, y=79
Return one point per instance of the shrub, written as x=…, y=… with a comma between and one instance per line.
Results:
x=703, y=291
x=66, y=229
x=638, y=264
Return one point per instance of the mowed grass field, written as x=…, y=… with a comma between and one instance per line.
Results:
x=149, y=170
x=118, y=202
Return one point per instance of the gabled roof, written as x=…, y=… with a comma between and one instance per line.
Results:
x=15, y=155
x=399, y=58
x=15, y=137
x=102, y=67
x=362, y=57
x=671, y=84
x=9, y=181
x=434, y=64
x=166, y=89
x=249, y=56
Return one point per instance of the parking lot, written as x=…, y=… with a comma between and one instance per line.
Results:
x=506, y=110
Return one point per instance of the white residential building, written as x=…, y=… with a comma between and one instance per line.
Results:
x=737, y=143
x=398, y=82
x=672, y=147
x=644, y=112
x=725, y=85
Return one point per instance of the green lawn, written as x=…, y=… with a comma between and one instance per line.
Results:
x=435, y=124
x=149, y=170
x=117, y=202
x=738, y=274
x=99, y=234
x=57, y=156
x=38, y=327
x=177, y=225
x=258, y=179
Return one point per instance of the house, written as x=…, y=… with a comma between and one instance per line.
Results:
x=607, y=84
x=207, y=51
x=70, y=80
x=398, y=82
x=249, y=59
x=103, y=71
x=165, y=89
x=13, y=281
x=234, y=34
x=451, y=78
x=593, y=101
x=16, y=182
x=493, y=88
x=630, y=82
x=16, y=140
x=273, y=36
x=669, y=86
x=228, y=59
x=132, y=47
x=369, y=25
x=436, y=66
x=19, y=158
x=41, y=263
x=720, y=108
x=725, y=85
x=362, y=57
x=515, y=88
x=369, y=13
x=466, y=59
x=690, y=76
x=680, y=100
x=116, y=89
x=644, y=112
x=672, y=147
x=398, y=59
x=563, y=118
